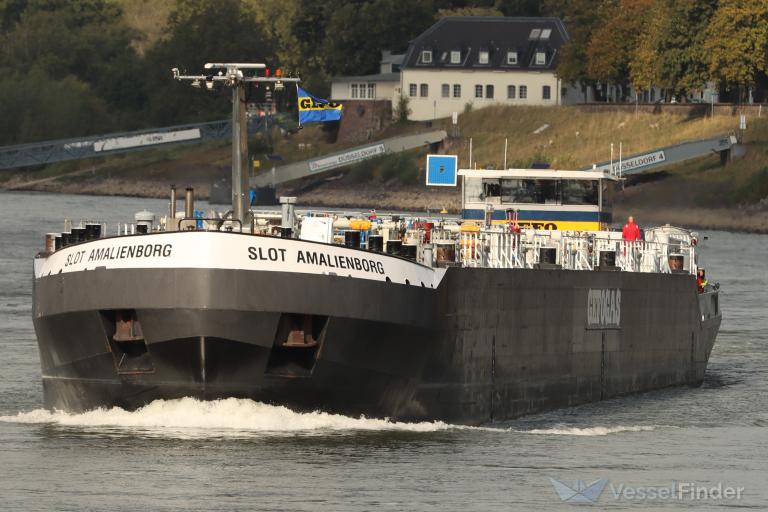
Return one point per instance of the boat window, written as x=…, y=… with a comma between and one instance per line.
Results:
x=491, y=188
x=530, y=191
x=579, y=192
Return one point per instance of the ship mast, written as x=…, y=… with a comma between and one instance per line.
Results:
x=232, y=75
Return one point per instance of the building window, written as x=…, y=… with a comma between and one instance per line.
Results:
x=455, y=57
x=511, y=92
x=534, y=35
x=512, y=58
x=545, y=33
x=424, y=91
x=541, y=58
x=482, y=57
x=353, y=91
x=478, y=91
x=426, y=56
x=545, y=92
x=445, y=90
x=411, y=90
x=523, y=92
x=371, y=91
x=456, y=91
x=489, y=91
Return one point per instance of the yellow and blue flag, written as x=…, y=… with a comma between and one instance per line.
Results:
x=317, y=110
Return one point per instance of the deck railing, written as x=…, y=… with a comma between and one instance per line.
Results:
x=497, y=249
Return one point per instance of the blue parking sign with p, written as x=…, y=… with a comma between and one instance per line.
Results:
x=442, y=170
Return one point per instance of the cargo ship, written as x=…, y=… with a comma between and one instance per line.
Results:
x=524, y=303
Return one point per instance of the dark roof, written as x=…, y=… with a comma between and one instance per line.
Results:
x=497, y=35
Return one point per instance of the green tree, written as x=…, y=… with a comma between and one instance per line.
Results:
x=644, y=59
x=357, y=32
x=43, y=108
x=610, y=48
x=199, y=32
x=680, y=44
x=736, y=43
x=581, y=17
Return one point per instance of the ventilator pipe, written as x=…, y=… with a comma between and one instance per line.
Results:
x=170, y=225
x=287, y=205
x=189, y=203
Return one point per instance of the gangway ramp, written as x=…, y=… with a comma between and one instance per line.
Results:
x=322, y=164
x=668, y=155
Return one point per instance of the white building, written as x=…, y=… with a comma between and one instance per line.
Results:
x=382, y=86
x=483, y=61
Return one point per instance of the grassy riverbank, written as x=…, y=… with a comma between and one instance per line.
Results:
x=700, y=193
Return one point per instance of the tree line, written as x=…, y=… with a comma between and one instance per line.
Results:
x=76, y=67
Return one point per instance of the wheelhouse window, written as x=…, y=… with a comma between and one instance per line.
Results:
x=457, y=90
x=478, y=91
x=445, y=90
x=426, y=56
x=546, y=92
x=489, y=91
x=582, y=192
x=412, y=90
x=511, y=92
x=533, y=191
x=424, y=90
x=482, y=57
x=455, y=57
x=511, y=58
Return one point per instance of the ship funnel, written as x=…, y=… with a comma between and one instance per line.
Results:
x=287, y=205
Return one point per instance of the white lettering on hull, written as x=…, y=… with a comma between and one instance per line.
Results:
x=604, y=308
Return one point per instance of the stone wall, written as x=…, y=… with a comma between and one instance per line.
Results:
x=362, y=119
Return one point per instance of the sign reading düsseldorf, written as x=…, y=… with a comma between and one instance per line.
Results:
x=634, y=162
x=349, y=157
x=604, y=308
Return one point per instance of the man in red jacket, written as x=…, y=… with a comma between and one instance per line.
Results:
x=631, y=230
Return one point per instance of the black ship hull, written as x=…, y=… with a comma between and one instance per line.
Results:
x=484, y=344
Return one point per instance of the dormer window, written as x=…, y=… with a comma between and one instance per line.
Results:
x=455, y=57
x=541, y=58
x=426, y=56
x=512, y=58
x=482, y=57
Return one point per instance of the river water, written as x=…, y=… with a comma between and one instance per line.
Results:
x=240, y=455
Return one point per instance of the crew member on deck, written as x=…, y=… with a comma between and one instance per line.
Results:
x=701, y=279
x=631, y=230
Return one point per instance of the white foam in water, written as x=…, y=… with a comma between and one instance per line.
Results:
x=588, y=431
x=234, y=417
x=188, y=417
